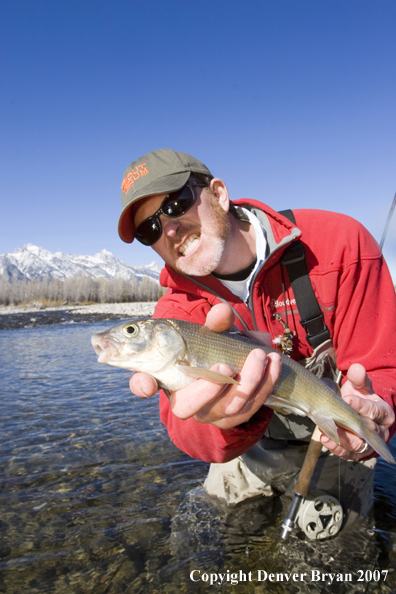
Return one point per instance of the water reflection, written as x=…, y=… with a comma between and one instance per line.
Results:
x=95, y=497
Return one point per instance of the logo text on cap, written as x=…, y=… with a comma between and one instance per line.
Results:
x=133, y=176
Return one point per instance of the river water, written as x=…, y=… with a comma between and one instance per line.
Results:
x=95, y=498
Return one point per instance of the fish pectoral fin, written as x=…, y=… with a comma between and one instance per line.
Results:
x=199, y=373
x=328, y=426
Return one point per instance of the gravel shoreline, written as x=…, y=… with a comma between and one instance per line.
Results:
x=13, y=317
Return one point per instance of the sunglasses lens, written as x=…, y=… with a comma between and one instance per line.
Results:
x=149, y=231
x=174, y=205
x=177, y=203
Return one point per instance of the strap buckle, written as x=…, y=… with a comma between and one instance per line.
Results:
x=316, y=330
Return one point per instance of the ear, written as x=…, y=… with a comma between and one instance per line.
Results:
x=220, y=192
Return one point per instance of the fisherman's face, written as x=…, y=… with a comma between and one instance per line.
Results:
x=195, y=242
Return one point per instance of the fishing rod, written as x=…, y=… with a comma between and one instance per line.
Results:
x=302, y=486
x=388, y=220
x=304, y=479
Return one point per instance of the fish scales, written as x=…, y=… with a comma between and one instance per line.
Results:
x=233, y=350
x=177, y=352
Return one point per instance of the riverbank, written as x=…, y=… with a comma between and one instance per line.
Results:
x=14, y=317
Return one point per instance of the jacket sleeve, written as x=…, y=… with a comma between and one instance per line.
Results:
x=365, y=316
x=202, y=440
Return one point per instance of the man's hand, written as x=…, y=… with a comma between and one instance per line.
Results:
x=222, y=405
x=358, y=393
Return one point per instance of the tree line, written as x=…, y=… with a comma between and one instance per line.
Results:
x=77, y=289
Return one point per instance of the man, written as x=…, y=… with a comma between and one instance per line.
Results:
x=223, y=264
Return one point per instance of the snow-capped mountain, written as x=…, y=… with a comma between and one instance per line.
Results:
x=32, y=262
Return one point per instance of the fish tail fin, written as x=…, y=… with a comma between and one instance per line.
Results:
x=328, y=427
x=377, y=443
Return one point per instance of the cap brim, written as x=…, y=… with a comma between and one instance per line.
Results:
x=168, y=183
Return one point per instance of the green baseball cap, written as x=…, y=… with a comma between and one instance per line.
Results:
x=160, y=171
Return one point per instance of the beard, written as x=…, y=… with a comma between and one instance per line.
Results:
x=219, y=231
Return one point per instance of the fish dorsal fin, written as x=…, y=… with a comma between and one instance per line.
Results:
x=199, y=373
x=332, y=385
x=263, y=338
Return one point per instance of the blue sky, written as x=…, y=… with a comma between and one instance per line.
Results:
x=291, y=102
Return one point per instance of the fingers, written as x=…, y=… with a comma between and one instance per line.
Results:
x=370, y=406
x=188, y=401
x=350, y=447
x=143, y=385
x=257, y=380
x=220, y=318
x=358, y=393
x=359, y=379
x=226, y=406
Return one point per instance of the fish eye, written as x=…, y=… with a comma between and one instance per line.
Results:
x=130, y=330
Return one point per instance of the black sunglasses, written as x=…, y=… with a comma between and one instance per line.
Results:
x=173, y=205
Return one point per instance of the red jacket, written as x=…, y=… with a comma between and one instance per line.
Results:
x=352, y=285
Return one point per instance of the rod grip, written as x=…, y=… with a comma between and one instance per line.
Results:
x=308, y=467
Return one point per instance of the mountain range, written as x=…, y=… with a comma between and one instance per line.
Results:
x=35, y=263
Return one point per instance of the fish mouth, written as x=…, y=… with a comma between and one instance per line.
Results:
x=103, y=347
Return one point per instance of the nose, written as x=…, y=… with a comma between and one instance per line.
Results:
x=170, y=226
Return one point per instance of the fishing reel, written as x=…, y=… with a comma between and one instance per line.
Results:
x=320, y=516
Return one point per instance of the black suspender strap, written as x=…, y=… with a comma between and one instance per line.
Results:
x=312, y=318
